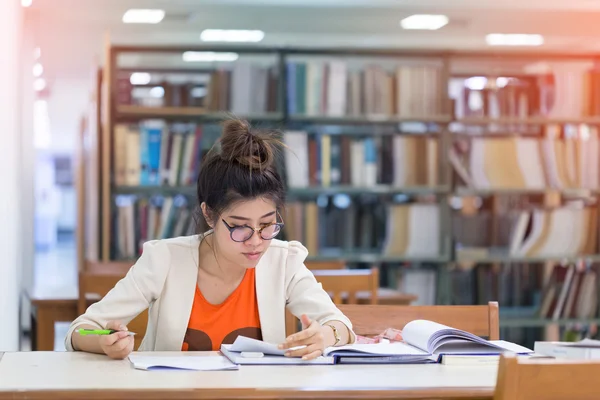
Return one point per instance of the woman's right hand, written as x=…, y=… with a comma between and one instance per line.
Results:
x=119, y=344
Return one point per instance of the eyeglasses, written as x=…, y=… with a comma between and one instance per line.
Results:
x=241, y=233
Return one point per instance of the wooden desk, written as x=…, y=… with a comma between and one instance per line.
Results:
x=47, y=308
x=60, y=375
x=45, y=312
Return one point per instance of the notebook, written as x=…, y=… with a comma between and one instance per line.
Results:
x=424, y=341
x=182, y=361
x=586, y=349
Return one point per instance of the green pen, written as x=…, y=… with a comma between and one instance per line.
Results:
x=99, y=332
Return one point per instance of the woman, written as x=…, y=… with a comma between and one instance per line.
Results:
x=235, y=279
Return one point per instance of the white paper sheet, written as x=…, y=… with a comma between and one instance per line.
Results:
x=185, y=362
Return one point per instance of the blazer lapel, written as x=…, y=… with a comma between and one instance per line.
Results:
x=178, y=298
x=271, y=307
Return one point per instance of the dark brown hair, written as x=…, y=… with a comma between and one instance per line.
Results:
x=242, y=168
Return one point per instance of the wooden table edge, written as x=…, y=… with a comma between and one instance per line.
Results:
x=449, y=393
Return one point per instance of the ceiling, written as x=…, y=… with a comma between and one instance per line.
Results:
x=71, y=32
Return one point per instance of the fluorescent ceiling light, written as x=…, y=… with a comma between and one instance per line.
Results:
x=514, y=39
x=208, y=56
x=38, y=70
x=140, y=78
x=424, y=21
x=26, y=3
x=143, y=16
x=231, y=35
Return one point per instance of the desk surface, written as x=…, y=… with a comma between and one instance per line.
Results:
x=60, y=375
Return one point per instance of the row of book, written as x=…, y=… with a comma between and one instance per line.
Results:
x=152, y=153
x=571, y=292
x=392, y=230
x=324, y=159
x=567, y=90
x=137, y=220
x=567, y=231
x=244, y=89
x=336, y=224
x=530, y=163
x=336, y=88
x=563, y=231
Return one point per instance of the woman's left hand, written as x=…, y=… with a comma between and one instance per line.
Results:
x=312, y=338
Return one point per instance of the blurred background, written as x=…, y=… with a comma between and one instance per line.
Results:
x=449, y=145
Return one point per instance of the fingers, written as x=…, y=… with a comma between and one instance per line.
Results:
x=314, y=350
x=312, y=336
x=306, y=322
x=313, y=355
x=111, y=339
x=116, y=325
x=120, y=349
x=304, y=334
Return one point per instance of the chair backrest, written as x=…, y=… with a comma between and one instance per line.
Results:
x=320, y=265
x=547, y=379
x=349, y=282
x=371, y=320
x=97, y=280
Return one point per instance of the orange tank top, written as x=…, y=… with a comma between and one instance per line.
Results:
x=211, y=325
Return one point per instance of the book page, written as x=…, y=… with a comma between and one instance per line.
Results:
x=419, y=332
x=246, y=344
x=467, y=347
x=380, y=349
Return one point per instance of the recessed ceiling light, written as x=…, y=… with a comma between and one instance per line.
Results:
x=208, y=56
x=143, y=16
x=38, y=70
x=26, y=3
x=424, y=21
x=140, y=78
x=514, y=39
x=39, y=84
x=231, y=35
x=157, y=92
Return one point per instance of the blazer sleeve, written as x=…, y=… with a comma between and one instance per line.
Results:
x=134, y=293
x=305, y=295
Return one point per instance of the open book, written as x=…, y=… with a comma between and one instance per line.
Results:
x=424, y=341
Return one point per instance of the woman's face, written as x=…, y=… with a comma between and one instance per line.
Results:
x=257, y=213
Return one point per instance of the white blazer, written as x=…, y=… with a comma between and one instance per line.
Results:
x=164, y=280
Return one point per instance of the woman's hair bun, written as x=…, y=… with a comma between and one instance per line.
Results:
x=239, y=142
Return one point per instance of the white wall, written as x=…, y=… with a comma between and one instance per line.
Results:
x=10, y=193
x=67, y=102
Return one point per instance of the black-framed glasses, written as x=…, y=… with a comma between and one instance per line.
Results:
x=241, y=233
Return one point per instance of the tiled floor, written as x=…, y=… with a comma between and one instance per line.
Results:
x=55, y=275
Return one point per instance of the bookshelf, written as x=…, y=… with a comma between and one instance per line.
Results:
x=434, y=127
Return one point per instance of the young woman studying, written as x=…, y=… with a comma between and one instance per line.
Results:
x=235, y=279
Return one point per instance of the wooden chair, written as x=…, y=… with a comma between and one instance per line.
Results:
x=97, y=280
x=339, y=282
x=371, y=320
x=384, y=295
x=547, y=379
x=321, y=265
x=350, y=282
